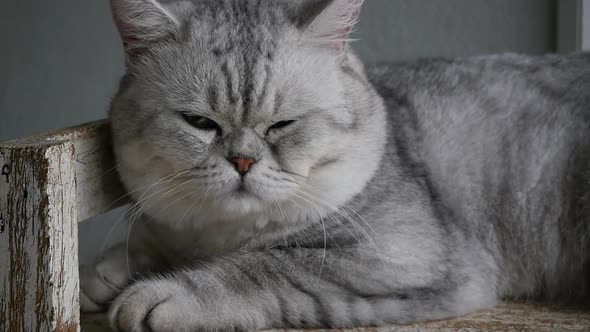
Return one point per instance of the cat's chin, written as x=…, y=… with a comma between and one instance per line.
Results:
x=241, y=203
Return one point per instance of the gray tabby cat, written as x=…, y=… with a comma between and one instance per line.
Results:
x=279, y=185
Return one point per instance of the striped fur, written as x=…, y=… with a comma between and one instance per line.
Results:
x=411, y=192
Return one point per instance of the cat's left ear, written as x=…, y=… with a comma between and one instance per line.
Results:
x=327, y=22
x=142, y=23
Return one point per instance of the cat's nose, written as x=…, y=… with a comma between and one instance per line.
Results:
x=243, y=165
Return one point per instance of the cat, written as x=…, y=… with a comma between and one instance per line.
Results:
x=280, y=184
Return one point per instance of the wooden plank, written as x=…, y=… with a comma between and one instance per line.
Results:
x=99, y=189
x=38, y=238
x=509, y=317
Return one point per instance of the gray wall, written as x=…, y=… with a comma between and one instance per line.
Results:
x=406, y=29
x=586, y=25
x=60, y=61
x=59, y=64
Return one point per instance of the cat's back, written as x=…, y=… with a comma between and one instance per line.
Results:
x=453, y=111
x=507, y=77
x=505, y=141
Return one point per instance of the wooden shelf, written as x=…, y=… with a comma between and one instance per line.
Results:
x=504, y=318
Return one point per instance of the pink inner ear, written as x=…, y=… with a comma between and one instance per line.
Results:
x=352, y=19
x=344, y=23
x=354, y=16
x=128, y=21
x=125, y=29
x=141, y=23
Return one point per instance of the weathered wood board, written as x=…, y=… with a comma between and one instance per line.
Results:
x=48, y=184
x=98, y=188
x=511, y=317
x=38, y=238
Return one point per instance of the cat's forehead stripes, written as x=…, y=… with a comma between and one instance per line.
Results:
x=243, y=81
x=244, y=45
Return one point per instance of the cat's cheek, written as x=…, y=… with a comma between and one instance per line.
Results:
x=296, y=161
x=139, y=158
x=132, y=157
x=200, y=137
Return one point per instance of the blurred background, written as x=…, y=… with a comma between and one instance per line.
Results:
x=60, y=61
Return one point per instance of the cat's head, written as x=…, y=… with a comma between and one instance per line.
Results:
x=243, y=107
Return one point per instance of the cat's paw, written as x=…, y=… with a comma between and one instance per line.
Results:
x=156, y=306
x=102, y=282
x=177, y=305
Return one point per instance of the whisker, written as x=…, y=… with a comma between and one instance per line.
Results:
x=291, y=173
x=339, y=211
x=121, y=219
x=139, y=211
x=193, y=205
x=107, y=171
x=334, y=219
x=165, y=179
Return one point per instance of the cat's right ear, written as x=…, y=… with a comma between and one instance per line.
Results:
x=144, y=22
x=329, y=23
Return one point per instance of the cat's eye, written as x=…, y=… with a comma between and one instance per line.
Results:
x=201, y=122
x=280, y=125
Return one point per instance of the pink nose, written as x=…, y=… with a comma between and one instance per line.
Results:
x=243, y=165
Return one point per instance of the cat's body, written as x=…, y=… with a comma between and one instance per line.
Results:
x=418, y=191
x=501, y=145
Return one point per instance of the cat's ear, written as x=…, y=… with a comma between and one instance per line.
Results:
x=143, y=22
x=327, y=22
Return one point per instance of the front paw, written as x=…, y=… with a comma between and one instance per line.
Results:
x=102, y=282
x=156, y=306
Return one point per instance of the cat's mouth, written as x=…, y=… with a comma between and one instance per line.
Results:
x=242, y=198
x=242, y=191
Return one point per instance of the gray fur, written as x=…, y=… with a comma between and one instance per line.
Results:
x=411, y=192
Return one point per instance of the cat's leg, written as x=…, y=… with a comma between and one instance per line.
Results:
x=302, y=288
x=108, y=276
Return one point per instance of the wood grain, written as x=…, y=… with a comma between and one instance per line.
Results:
x=98, y=187
x=509, y=317
x=39, y=238
x=48, y=184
